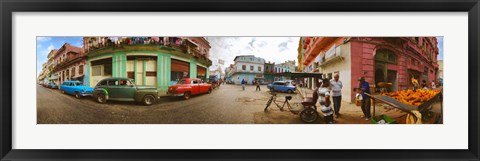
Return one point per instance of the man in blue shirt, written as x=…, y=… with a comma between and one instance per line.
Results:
x=364, y=87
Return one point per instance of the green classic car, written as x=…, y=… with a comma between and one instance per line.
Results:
x=124, y=89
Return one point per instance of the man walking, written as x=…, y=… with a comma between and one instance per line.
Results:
x=258, y=86
x=336, y=86
x=364, y=87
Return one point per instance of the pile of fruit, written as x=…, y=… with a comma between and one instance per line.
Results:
x=411, y=97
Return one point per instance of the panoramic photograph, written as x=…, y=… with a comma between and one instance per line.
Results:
x=239, y=80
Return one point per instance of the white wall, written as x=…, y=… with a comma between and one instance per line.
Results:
x=344, y=68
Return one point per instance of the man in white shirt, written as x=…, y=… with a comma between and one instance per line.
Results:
x=336, y=86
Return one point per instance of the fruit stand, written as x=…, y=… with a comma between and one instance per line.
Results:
x=414, y=104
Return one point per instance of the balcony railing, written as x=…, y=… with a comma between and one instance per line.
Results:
x=174, y=43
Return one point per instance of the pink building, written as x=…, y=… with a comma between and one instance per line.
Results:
x=379, y=59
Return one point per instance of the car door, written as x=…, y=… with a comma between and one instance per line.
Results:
x=113, y=89
x=282, y=86
x=195, y=86
x=126, y=89
x=67, y=88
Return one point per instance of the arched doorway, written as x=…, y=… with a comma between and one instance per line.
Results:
x=383, y=59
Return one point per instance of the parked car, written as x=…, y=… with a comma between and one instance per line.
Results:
x=188, y=87
x=282, y=86
x=124, y=89
x=291, y=82
x=76, y=88
x=52, y=85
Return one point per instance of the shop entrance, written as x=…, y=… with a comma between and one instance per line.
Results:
x=100, y=69
x=385, y=78
x=179, y=70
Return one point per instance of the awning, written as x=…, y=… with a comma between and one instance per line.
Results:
x=53, y=77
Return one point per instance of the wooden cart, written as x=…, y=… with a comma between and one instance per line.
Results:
x=408, y=108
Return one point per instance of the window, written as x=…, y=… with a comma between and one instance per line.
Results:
x=74, y=70
x=80, y=69
x=96, y=70
x=113, y=83
x=244, y=67
x=194, y=82
x=259, y=68
x=386, y=55
x=102, y=83
x=251, y=67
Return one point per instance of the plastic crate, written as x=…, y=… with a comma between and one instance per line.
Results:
x=387, y=119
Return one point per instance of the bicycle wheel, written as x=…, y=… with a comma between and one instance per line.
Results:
x=269, y=102
x=308, y=115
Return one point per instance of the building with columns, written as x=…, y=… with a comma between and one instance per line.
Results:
x=149, y=61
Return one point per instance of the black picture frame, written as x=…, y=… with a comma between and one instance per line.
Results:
x=7, y=7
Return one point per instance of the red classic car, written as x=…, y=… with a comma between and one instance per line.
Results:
x=187, y=87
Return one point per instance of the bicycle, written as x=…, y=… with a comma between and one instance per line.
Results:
x=273, y=99
x=308, y=114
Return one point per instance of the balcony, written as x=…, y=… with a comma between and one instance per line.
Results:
x=174, y=45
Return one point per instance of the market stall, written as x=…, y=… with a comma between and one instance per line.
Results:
x=412, y=108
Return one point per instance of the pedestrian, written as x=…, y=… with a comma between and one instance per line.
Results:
x=324, y=100
x=424, y=84
x=336, y=86
x=434, y=85
x=243, y=84
x=258, y=86
x=364, y=88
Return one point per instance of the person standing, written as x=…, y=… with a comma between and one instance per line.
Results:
x=324, y=100
x=336, y=86
x=434, y=85
x=243, y=84
x=364, y=87
x=258, y=86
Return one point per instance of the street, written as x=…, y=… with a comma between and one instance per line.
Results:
x=227, y=104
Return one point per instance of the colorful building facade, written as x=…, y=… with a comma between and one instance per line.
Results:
x=378, y=59
x=247, y=67
x=68, y=64
x=149, y=61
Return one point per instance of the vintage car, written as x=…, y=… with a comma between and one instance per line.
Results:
x=187, y=87
x=282, y=86
x=75, y=88
x=124, y=89
x=52, y=85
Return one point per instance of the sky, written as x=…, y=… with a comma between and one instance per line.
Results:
x=273, y=49
x=46, y=44
x=440, y=48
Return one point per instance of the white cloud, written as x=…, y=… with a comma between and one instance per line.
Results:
x=43, y=39
x=274, y=49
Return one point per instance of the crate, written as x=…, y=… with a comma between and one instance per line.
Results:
x=387, y=119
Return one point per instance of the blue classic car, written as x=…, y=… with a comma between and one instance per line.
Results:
x=282, y=86
x=76, y=88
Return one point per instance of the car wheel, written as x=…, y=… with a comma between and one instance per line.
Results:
x=289, y=91
x=271, y=89
x=77, y=95
x=101, y=98
x=186, y=95
x=148, y=100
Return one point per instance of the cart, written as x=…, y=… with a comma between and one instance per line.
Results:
x=422, y=108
